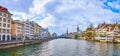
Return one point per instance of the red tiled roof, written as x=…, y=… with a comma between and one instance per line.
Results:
x=3, y=9
x=112, y=27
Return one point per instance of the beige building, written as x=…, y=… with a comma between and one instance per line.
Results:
x=17, y=29
x=5, y=24
x=107, y=32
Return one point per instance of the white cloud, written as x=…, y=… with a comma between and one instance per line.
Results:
x=20, y=15
x=15, y=0
x=38, y=6
x=72, y=12
x=48, y=21
x=35, y=11
x=39, y=9
x=115, y=4
x=88, y=12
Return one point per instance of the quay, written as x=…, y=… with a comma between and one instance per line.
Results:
x=11, y=44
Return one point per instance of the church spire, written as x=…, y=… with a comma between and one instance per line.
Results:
x=104, y=22
x=67, y=31
x=78, y=30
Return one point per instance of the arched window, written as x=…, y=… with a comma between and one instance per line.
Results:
x=8, y=37
x=3, y=37
x=0, y=37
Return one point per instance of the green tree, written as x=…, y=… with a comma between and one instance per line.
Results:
x=76, y=36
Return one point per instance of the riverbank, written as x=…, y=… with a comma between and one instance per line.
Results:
x=103, y=41
x=12, y=44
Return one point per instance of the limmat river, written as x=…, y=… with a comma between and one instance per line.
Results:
x=65, y=47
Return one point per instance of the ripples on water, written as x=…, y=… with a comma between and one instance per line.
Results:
x=65, y=47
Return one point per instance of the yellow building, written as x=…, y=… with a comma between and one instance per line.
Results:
x=39, y=28
x=36, y=30
x=17, y=29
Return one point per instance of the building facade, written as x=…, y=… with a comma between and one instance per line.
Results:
x=17, y=29
x=36, y=30
x=39, y=33
x=28, y=29
x=32, y=29
x=54, y=35
x=44, y=33
x=5, y=24
x=107, y=32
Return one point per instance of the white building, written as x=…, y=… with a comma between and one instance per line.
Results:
x=28, y=29
x=44, y=33
x=102, y=31
x=5, y=24
x=108, y=32
x=32, y=29
x=54, y=35
x=113, y=31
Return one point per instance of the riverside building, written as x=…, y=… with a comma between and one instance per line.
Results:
x=5, y=24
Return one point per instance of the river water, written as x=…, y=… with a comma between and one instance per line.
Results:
x=65, y=47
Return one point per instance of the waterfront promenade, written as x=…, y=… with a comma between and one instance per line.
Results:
x=16, y=43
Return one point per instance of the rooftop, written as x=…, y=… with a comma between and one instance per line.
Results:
x=3, y=9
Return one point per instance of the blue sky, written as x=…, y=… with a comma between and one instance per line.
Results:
x=58, y=15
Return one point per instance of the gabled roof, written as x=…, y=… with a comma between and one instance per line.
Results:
x=111, y=27
x=104, y=25
x=108, y=26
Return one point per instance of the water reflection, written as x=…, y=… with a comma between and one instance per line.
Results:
x=65, y=47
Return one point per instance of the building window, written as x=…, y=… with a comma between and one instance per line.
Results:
x=0, y=24
x=4, y=25
x=5, y=15
x=18, y=27
x=9, y=16
x=8, y=21
x=4, y=20
x=4, y=31
x=0, y=30
x=8, y=25
x=0, y=19
x=8, y=31
x=18, y=31
x=1, y=13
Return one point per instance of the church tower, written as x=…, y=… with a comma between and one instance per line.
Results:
x=67, y=32
x=78, y=30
